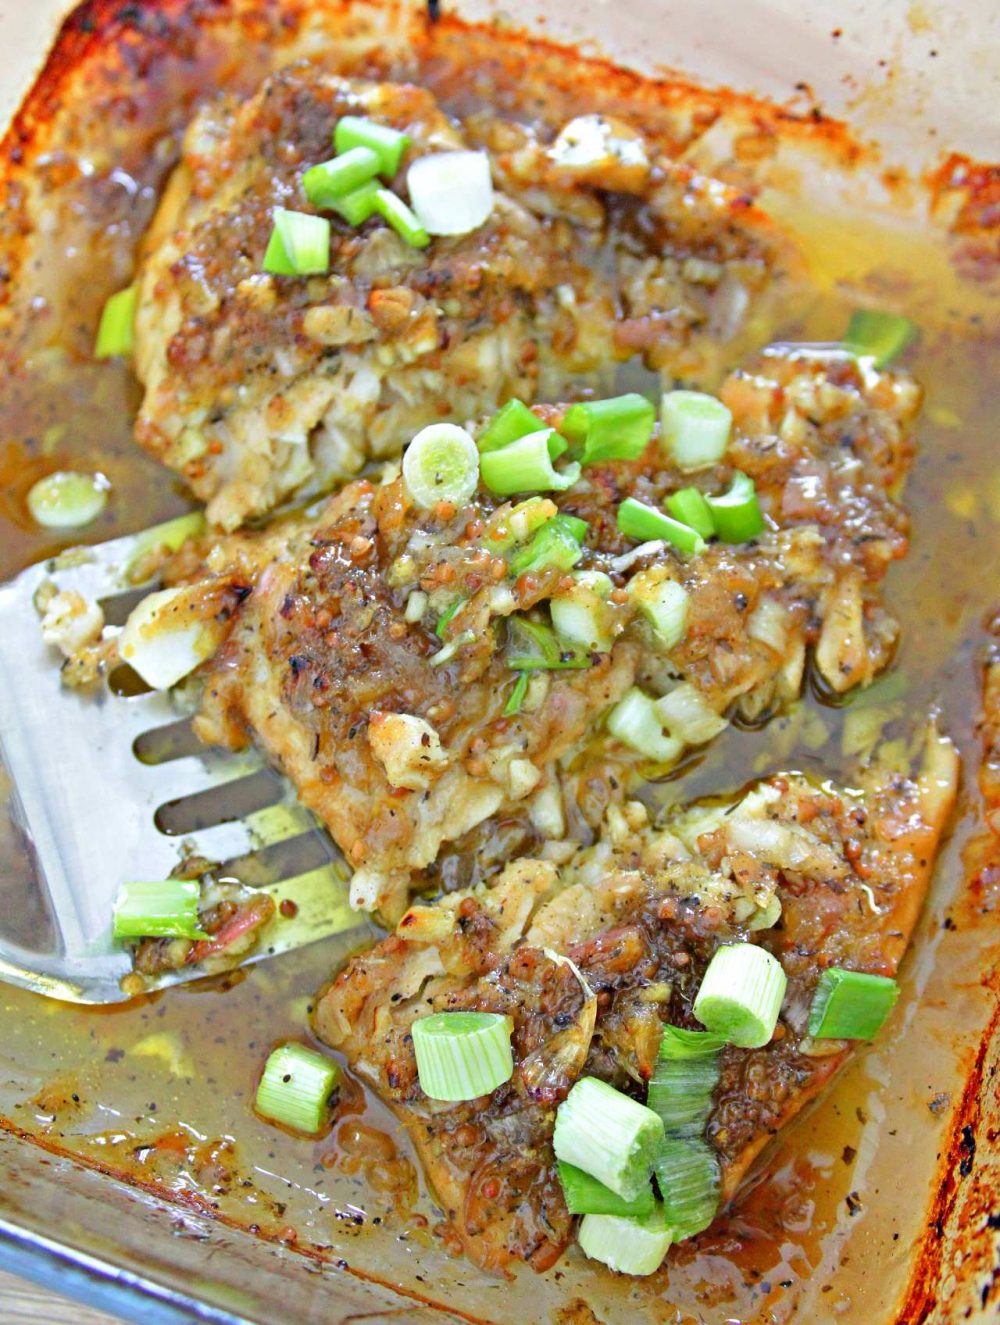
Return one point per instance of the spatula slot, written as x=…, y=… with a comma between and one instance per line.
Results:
x=126, y=683
x=161, y=745
x=119, y=608
x=283, y=860
x=219, y=805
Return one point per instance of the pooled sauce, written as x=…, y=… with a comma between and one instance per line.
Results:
x=159, y=1091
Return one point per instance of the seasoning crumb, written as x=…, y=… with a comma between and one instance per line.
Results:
x=849, y=1155
x=853, y=1202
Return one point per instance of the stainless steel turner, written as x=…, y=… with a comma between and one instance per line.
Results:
x=114, y=786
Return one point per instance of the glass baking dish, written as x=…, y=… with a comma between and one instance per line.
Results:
x=914, y=78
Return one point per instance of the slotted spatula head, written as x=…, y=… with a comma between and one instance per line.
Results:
x=109, y=786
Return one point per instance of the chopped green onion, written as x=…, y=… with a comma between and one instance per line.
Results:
x=678, y=1042
x=454, y=646
x=68, y=499
x=641, y=522
x=462, y=1055
x=519, y=523
x=850, y=1005
x=690, y=507
x=330, y=180
x=664, y=604
x=880, y=336
x=299, y=244
x=451, y=192
x=166, y=909
x=608, y=1135
x=532, y=647
x=687, y=714
x=114, y=334
x=358, y=206
x=633, y=721
x=582, y=615
x=737, y=513
x=616, y=429
x=695, y=428
x=630, y=1246
x=556, y=544
x=387, y=144
x=681, y=1089
x=513, y=705
x=741, y=994
x=446, y=616
x=441, y=464
x=513, y=421
x=687, y=1173
x=296, y=1087
x=526, y=466
x=586, y=1196
x=405, y=222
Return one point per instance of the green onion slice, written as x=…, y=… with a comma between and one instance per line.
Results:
x=296, y=1087
x=737, y=513
x=513, y=705
x=299, y=244
x=446, y=616
x=850, y=1005
x=644, y=523
x=441, y=464
x=558, y=543
x=68, y=499
x=690, y=507
x=582, y=616
x=330, y=180
x=532, y=647
x=513, y=421
x=630, y=1246
x=880, y=336
x=633, y=721
x=695, y=428
x=615, y=429
x=586, y=1196
x=114, y=334
x=452, y=648
x=387, y=144
x=608, y=1135
x=689, y=1179
x=526, y=466
x=665, y=605
x=741, y=994
x=359, y=205
x=462, y=1055
x=451, y=192
x=165, y=909
x=518, y=523
x=681, y=1089
x=405, y=222
x=678, y=1042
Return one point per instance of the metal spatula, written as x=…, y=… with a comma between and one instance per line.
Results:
x=112, y=786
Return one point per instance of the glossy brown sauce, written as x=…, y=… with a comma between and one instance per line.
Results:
x=159, y=1092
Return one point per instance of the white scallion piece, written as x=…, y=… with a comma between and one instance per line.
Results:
x=634, y=722
x=608, y=1135
x=741, y=994
x=462, y=1055
x=630, y=1246
x=441, y=464
x=451, y=192
x=688, y=715
x=695, y=428
x=68, y=499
